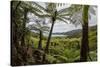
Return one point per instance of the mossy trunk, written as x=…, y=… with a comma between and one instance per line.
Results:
x=85, y=43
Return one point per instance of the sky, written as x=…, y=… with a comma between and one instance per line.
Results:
x=64, y=27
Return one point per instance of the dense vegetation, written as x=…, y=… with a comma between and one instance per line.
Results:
x=30, y=45
x=67, y=49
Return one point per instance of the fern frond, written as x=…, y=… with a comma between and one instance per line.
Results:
x=61, y=19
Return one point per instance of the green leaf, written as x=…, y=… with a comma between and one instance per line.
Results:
x=61, y=19
x=66, y=14
x=39, y=6
x=41, y=15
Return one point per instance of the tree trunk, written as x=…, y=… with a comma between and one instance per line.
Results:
x=49, y=38
x=85, y=45
x=24, y=28
x=40, y=41
x=48, y=41
x=14, y=25
x=14, y=37
x=23, y=45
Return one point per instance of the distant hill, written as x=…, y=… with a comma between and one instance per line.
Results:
x=73, y=32
x=76, y=33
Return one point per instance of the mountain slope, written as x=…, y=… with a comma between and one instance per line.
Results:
x=76, y=33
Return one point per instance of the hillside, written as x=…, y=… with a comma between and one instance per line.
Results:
x=76, y=33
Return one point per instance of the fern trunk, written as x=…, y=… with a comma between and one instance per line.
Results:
x=85, y=45
x=49, y=38
x=40, y=41
x=48, y=41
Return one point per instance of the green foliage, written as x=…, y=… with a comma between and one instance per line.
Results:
x=50, y=58
x=93, y=55
x=61, y=49
x=66, y=49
